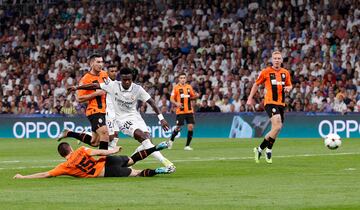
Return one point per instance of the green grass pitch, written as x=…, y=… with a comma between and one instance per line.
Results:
x=218, y=174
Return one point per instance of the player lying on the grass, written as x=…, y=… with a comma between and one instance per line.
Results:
x=81, y=163
x=125, y=95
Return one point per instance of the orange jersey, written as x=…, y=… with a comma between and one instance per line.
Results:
x=80, y=164
x=97, y=104
x=182, y=94
x=275, y=81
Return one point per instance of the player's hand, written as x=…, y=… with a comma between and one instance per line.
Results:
x=18, y=176
x=178, y=105
x=250, y=102
x=164, y=125
x=196, y=96
x=117, y=149
x=287, y=89
x=71, y=89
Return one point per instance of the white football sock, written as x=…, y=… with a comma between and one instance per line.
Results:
x=268, y=150
x=147, y=144
x=259, y=149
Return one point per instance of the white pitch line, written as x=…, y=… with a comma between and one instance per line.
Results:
x=195, y=159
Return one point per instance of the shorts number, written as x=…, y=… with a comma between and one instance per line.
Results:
x=126, y=125
x=109, y=124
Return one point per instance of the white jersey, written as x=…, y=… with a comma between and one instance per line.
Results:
x=125, y=101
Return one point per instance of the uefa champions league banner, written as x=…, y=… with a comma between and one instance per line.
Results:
x=208, y=125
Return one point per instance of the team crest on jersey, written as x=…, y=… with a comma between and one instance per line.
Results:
x=106, y=80
x=100, y=120
x=273, y=110
x=283, y=75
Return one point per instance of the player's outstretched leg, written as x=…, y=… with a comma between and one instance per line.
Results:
x=144, y=138
x=63, y=135
x=145, y=153
x=150, y=172
x=83, y=137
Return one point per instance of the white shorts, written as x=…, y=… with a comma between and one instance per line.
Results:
x=130, y=124
x=111, y=125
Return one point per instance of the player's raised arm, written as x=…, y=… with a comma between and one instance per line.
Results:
x=86, y=97
x=33, y=176
x=164, y=123
x=102, y=152
x=92, y=86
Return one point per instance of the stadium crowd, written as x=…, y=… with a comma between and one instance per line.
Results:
x=221, y=45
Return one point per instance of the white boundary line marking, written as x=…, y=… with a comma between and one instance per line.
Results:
x=195, y=159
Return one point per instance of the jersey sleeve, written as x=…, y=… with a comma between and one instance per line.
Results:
x=58, y=170
x=261, y=78
x=107, y=86
x=143, y=95
x=87, y=150
x=83, y=81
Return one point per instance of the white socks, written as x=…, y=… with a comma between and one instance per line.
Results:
x=147, y=144
x=267, y=150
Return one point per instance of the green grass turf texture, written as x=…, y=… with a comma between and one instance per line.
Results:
x=218, y=174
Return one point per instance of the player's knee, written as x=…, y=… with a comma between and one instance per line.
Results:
x=139, y=135
x=190, y=127
x=103, y=135
x=277, y=126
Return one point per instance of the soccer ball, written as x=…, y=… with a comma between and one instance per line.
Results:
x=332, y=141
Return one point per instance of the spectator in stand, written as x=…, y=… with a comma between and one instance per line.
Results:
x=222, y=44
x=68, y=108
x=213, y=107
x=204, y=107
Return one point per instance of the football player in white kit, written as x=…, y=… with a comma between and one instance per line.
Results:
x=125, y=95
x=113, y=129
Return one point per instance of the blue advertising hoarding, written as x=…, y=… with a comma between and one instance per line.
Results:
x=208, y=125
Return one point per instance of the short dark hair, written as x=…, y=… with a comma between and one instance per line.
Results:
x=64, y=149
x=95, y=55
x=125, y=70
x=112, y=66
x=182, y=74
